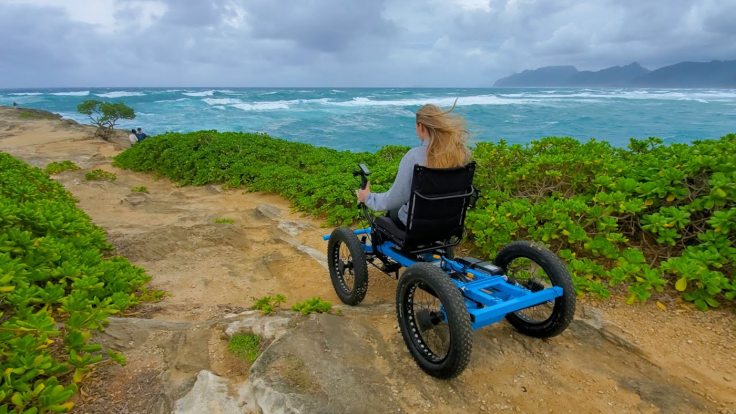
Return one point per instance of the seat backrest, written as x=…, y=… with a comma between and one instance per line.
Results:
x=439, y=199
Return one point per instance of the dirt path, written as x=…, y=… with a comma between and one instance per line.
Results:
x=620, y=359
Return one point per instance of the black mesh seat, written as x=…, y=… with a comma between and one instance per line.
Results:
x=388, y=225
x=437, y=205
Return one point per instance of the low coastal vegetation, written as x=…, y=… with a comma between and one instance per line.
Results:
x=35, y=114
x=139, y=189
x=97, y=175
x=268, y=304
x=246, y=346
x=57, y=285
x=312, y=305
x=644, y=219
x=59, y=167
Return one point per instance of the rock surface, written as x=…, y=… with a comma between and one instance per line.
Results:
x=209, y=395
x=338, y=364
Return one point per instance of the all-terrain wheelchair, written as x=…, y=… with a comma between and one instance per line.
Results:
x=440, y=298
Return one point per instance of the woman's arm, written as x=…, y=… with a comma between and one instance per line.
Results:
x=400, y=191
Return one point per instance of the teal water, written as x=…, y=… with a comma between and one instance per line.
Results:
x=367, y=119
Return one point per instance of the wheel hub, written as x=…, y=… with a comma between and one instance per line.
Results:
x=342, y=266
x=534, y=285
x=427, y=320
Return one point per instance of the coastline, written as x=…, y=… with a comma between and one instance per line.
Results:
x=367, y=119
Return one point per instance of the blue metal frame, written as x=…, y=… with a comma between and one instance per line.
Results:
x=488, y=298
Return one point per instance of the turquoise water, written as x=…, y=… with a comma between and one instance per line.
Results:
x=366, y=119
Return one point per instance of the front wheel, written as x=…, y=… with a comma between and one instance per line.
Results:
x=535, y=268
x=434, y=321
x=348, y=267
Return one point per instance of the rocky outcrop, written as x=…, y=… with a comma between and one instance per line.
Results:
x=357, y=363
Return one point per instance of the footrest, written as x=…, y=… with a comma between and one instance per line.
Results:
x=390, y=267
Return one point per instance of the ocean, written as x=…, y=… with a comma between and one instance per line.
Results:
x=367, y=119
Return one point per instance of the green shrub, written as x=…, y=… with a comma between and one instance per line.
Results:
x=100, y=175
x=25, y=114
x=646, y=217
x=267, y=304
x=312, y=305
x=57, y=167
x=154, y=295
x=55, y=288
x=141, y=189
x=641, y=217
x=246, y=346
x=316, y=180
x=224, y=220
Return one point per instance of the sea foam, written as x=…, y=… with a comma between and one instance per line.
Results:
x=77, y=93
x=203, y=93
x=119, y=94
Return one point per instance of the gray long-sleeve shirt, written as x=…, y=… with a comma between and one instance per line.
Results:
x=398, y=195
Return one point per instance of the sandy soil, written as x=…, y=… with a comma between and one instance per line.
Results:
x=212, y=269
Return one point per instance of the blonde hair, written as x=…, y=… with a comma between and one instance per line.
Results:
x=447, y=137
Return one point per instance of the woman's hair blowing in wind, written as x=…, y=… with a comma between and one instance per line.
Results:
x=447, y=137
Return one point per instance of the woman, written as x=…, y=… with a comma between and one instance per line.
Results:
x=443, y=139
x=132, y=137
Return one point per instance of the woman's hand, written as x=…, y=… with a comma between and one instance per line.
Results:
x=363, y=194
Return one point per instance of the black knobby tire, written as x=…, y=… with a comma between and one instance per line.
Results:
x=433, y=281
x=349, y=277
x=563, y=309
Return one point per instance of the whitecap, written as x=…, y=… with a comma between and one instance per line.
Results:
x=78, y=93
x=463, y=101
x=707, y=95
x=221, y=101
x=261, y=106
x=26, y=93
x=404, y=113
x=119, y=94
x=167, y=91
x=204, y=93
x=172, y=100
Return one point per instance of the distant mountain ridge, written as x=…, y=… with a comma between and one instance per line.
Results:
x=714, y=74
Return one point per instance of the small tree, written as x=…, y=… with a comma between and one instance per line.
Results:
x=105, y=114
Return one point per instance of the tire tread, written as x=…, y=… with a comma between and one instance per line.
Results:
x=461, y=331
x=360, y=266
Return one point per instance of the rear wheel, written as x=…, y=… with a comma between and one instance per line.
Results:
x=434, y=321
x=348, y=267
x=535, y=268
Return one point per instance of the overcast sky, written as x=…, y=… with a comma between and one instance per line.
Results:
x=464, y=43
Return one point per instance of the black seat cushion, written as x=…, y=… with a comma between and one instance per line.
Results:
x=388, y=225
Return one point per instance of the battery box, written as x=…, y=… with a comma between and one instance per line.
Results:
x=480, y=265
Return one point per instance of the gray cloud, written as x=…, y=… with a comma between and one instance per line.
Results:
x=351, y=42
x=319, y=25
